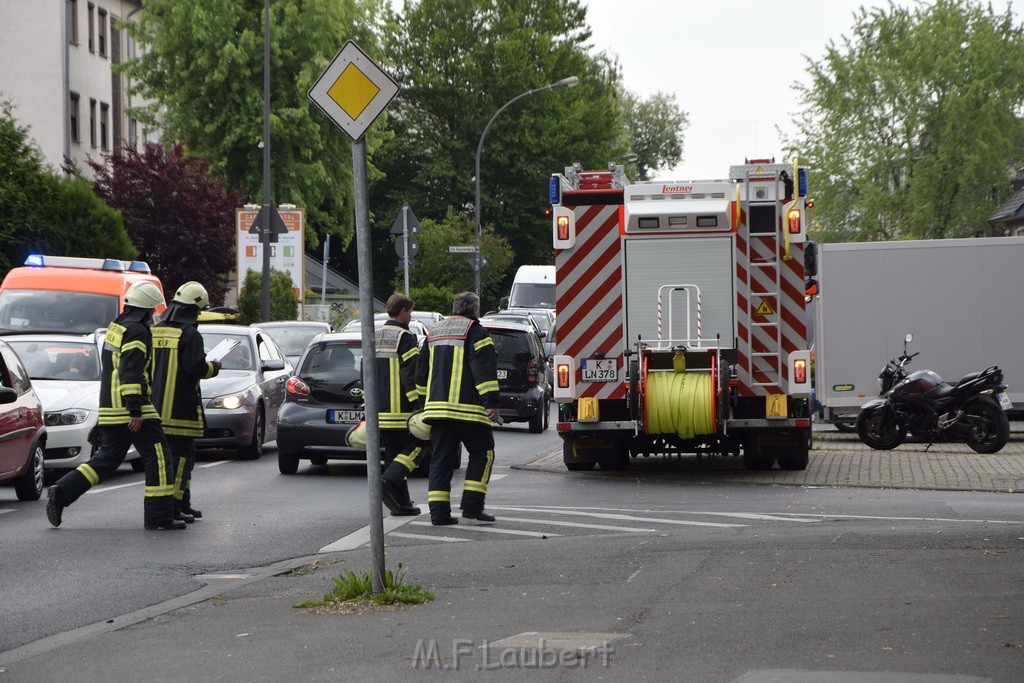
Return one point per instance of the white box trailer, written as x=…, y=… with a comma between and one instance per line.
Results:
x=962, y=299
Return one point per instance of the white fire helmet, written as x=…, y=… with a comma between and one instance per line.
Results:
x=356, y=437
x=143, y=294
x=419, y=428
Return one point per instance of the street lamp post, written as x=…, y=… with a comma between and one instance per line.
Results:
x=478, y=259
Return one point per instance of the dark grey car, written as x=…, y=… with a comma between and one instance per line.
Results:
x=522, y=372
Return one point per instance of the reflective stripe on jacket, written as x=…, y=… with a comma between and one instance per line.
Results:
x=177, y=364
x=397, y=353
x=124, y=384
x=457, y=374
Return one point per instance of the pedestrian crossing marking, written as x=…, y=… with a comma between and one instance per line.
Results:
x=426, y=537
x=3, y=510
x=631, y=518
x=578, y=525
x=493, y=530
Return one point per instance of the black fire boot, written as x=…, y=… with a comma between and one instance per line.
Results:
x=55, y=504
x=189, y=510
x=441, y=514
x=172, y=525
x=183, y=516
x=482, y=516
x=389, y=495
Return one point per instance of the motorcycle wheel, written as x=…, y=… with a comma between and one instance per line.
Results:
x=988, y=425
x=877, y=432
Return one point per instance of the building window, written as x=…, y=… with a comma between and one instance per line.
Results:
x=92, y=122
x=104, y=121
x=92, y=27
x=74, y=118
x=133, y=133
x=73, y=22
x=103, y=32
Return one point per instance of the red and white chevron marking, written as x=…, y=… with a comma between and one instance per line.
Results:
x=763, y=333
x=588, y=290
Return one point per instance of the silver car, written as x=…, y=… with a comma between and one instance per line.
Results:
x=293, y=335
x=241, y=403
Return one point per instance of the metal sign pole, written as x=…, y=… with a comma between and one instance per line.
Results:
x=363, y=255
x=405, y=236
x=265, y=233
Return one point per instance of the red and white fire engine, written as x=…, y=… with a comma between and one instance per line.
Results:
x=681, y=325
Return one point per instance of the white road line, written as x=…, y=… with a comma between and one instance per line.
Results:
x=425, y=537
x=496, y=477
x=629, y=518
x=751, y=515
x=577, y=525
x=907, y=519
x=3, y=510
x=361, y=537
x=104, y=489
x=214, y=464
x=634, y=575
x=493, y=530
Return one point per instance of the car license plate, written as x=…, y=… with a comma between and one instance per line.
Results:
x=502, y=374
x=600, y=370
x=337, y=416
x=1004, y=401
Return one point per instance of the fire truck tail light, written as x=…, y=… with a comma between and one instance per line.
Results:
x=563, y=227
x=800, y=370
x=563, y=375
x=794, y=221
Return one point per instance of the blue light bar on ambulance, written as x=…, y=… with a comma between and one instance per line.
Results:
x=554, y=190
x=113, y=264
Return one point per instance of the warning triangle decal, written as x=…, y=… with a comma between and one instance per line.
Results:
x=764, y=308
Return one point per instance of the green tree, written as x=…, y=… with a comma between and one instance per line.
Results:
x=181, y=218
x=430, y=297
x=203, y=72
x=912, y=126
x=43, y=213
x=284, y=305
x=436, y=266
x=459, y=62
x=656, y=127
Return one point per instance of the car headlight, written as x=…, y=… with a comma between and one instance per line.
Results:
x=229, y=402
x=61, y=418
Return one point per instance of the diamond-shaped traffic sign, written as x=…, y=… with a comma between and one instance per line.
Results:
x=353, y=90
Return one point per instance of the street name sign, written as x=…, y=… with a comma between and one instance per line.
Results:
x=462, y=250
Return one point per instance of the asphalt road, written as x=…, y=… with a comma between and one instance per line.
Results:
x=694, y=581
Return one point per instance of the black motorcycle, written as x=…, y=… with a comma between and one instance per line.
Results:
x=972, y=411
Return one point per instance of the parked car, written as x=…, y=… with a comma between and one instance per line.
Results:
x=544, y=319
x=22, y=434
x=522, y=381
x=242, y=402
x=293, y=336
x=415, y=326
x=324, y=400
x=65, y=372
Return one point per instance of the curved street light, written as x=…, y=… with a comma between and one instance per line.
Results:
x=569, y=82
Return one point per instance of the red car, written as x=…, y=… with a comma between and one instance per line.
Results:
x=22, y=436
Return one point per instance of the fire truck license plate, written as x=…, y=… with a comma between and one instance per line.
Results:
x=600, y=370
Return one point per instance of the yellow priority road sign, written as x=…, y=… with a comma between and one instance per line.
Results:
x=353, y=90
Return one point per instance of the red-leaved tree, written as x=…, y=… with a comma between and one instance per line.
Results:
x=179, y=217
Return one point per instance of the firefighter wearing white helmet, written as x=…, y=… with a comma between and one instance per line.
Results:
x=126, y=417
x=177, y=365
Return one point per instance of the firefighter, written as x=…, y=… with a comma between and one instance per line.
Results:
x=397, y=399
x=177, y=365
x=457, y=377
x=126, y=417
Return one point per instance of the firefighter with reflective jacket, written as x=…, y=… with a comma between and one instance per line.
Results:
x=177, y=365
x=397, y=399
x=457, y=376
x=126, y=417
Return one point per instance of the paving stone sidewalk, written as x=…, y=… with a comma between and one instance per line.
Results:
x=839, y=459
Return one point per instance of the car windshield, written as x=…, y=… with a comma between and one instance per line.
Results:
x=332, y=371
x=511, y=346
x=240, y=357
x=67, y=360
x=293, y=340
x=45, y=310
x=531, y=295
x=543, y=322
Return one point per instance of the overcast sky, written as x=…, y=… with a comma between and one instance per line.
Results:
x=730, y=64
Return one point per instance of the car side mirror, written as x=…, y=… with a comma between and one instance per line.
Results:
x=503, y=303
x=273, y=364
x=8, y=395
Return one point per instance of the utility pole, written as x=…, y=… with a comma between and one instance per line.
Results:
x=265, y=232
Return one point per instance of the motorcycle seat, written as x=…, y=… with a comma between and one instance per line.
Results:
x=968, y=377
x=939, y=391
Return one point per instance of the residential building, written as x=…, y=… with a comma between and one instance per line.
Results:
x=57, y=68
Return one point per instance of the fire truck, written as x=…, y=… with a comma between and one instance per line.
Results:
x=681, y=322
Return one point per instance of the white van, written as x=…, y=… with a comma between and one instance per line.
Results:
x=533, y=287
